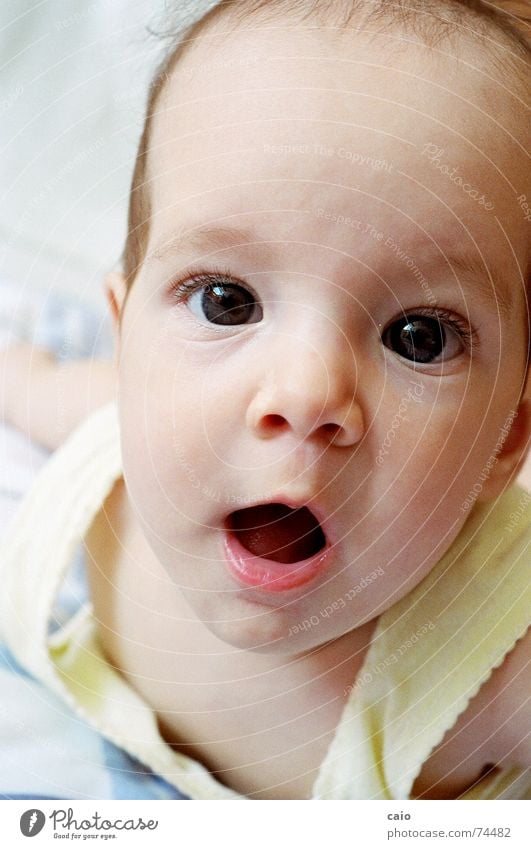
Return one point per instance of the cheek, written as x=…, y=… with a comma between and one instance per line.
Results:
x=172, y=443
x=425, y=462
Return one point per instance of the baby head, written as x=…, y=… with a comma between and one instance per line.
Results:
x=322, y=328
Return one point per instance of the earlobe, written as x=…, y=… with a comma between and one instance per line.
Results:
x=115, y=293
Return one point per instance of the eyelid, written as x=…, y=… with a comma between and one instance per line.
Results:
x=463, y=328
x=196, y=278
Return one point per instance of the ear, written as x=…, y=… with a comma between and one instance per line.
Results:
x=115, y=293
x=513, y=447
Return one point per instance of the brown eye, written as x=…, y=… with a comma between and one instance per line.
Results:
x=227, y=304
x=216, y=298
x=422, y=339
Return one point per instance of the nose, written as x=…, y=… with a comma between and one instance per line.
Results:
x=309, y=392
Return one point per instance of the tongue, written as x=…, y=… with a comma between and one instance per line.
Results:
x=277, y=532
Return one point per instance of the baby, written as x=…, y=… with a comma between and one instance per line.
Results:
x=306, y=554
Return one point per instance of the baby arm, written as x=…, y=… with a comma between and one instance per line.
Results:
x=47, y=398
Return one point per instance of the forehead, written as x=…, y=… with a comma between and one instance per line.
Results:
x=276, y=123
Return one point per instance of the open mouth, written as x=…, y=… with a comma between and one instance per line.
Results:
x=277, y=532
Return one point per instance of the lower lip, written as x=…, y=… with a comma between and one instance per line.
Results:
x=253, y=571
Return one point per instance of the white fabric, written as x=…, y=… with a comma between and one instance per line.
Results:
x=72, y=96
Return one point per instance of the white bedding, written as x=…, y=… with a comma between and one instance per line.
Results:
x=72, y=97
x=64, y=325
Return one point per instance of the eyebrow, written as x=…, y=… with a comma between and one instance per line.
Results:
x=202, y=238
x=487, y=283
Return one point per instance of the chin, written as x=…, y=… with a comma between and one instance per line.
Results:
x=260, y=630
x=267, y=630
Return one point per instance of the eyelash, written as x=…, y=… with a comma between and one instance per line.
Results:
x=196, y=278
x=465, y=331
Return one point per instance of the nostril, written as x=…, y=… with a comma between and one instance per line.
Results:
x=272, y=420
x=331, y=429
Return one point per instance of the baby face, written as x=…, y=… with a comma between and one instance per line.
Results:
x=327, y=336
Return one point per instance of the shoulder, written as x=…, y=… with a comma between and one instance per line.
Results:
x=493, y=731
x=508, y=689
